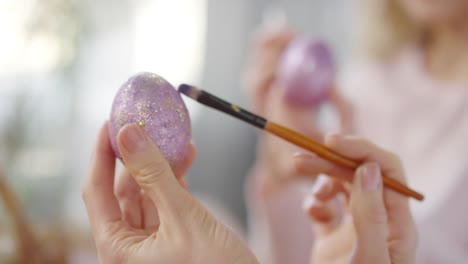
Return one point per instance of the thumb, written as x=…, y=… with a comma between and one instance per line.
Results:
x=151, y=170
x=369, y=215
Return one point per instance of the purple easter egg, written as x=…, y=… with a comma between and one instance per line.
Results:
x=150, y=101
x=306, y=72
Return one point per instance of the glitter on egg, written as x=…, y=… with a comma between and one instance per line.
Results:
x=151, y=102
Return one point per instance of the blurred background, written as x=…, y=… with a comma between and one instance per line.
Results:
x=61, y=63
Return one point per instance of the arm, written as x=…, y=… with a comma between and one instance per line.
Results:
x=274, y=189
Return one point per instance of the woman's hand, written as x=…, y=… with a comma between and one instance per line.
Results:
x=149, y=217
x=377, y=226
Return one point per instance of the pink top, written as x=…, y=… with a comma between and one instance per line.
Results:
x=402, y=108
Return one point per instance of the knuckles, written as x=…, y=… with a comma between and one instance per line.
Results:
x=151, y=173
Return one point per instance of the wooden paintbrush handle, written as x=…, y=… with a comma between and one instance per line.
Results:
x=328, y=154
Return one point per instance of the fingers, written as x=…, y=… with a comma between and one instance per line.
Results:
x=399, y=214
x=128, y=193
x=149, y=214
x=396, y=217
x=344, y=109
x=327, y=188
x=272, y=40
x=322, y=205
x=137, y=208
x=183, y=182
x=312, y=165
x=360, y=149
x=260, y=75
x=151, y=171
x=369, y=215
x=98, y=191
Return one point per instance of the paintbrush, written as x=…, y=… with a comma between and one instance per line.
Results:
x=288, y=135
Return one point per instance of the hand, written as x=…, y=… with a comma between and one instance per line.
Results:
x=273, y=154
x=377, y=227
x=165, y=224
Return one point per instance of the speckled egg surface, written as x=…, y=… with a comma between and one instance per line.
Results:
x=150, y=101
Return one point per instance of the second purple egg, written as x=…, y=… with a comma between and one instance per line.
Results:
x=306, y=72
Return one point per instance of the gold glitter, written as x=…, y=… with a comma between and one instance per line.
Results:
x=142, y=123
x=120, y=119
x=181, y=115
x=236, y=108
x=169, y=103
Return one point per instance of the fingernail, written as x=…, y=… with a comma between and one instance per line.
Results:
x=371, y=177
x=321, y=186
x=133, y=138
x=332, y=137
x=307, y=203
x=304, y=155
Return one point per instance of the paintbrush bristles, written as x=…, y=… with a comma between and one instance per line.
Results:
x=190, y=91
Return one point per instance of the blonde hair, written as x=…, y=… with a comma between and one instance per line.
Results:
x=384, y=28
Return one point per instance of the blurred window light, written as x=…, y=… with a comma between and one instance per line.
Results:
x=170, y=41
x=19, y=51
x=40, y=162
x=33, y=38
